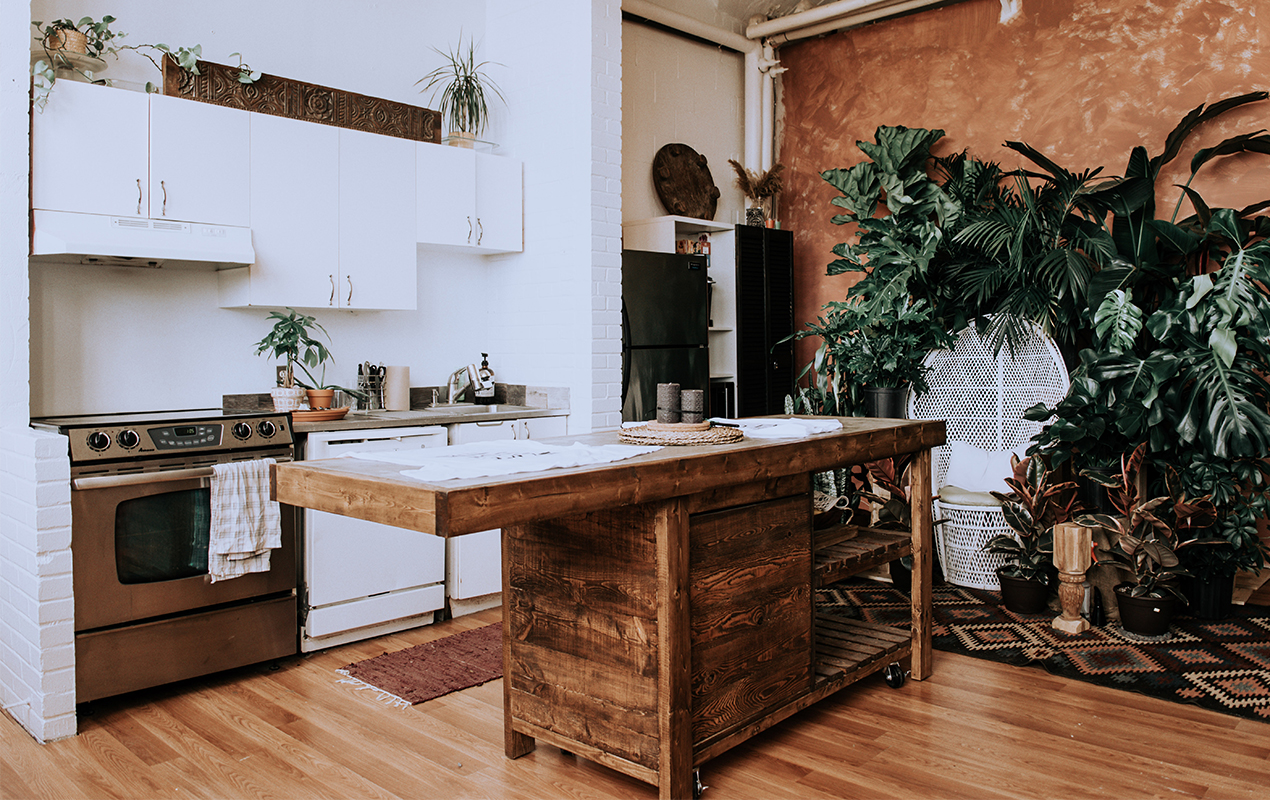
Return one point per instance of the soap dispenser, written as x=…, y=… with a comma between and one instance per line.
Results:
x=485, y=394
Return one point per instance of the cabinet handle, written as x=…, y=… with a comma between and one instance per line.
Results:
x=480, y=230
x=349, y=301
x=138, y=197
x=469, y=229
x=331, y=302
x=164, y=187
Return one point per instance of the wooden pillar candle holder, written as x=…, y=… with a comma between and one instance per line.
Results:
x=1072, y=556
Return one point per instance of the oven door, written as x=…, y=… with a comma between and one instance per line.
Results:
x=139, y=549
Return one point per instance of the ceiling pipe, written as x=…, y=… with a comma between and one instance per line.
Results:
x=820, y=15
x=878, y=12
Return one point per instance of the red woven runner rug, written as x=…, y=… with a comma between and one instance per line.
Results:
x=431, y=669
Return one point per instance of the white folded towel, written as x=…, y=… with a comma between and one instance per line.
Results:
x=503, y=457
x=245, y=523
x=788, y=428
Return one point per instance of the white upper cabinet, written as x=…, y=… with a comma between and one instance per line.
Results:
x=500, y=204
x=295, y=219
x=469, y=201
x=378, y=257
x=333, y=214
x=200, y=165
x=98, y=150
x=89, y=151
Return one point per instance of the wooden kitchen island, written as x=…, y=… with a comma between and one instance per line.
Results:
x=661, y=610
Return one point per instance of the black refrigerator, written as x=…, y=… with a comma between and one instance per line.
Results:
x=665, y=328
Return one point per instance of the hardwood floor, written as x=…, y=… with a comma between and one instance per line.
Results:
x=975, y=729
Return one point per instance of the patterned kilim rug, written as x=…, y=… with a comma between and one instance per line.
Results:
x=1223, y=665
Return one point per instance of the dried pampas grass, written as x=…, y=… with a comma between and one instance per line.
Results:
x=758, y=186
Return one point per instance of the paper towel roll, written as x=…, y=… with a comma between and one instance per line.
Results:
x=397, y=388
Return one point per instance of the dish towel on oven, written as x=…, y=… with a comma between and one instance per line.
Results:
x=245, y=523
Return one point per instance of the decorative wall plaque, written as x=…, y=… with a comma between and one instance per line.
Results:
x=283, y=97
x=683, y=182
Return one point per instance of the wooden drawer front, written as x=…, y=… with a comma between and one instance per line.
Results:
x=751, y=612
x=583, y=614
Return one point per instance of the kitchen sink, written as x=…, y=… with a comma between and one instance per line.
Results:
x=464, y=408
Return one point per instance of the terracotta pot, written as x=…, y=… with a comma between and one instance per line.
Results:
x=320, y=399
x=1145, y=616
x=1023, y=596
x=287, y=399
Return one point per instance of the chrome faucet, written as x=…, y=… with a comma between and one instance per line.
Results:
x=461, y=379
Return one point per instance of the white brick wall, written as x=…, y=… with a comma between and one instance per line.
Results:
x=37, y=611
x=606, y=214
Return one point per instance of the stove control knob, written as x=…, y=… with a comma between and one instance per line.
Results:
x=242, y=430
x=98, y=440
x=267, y=429
x=128, y=439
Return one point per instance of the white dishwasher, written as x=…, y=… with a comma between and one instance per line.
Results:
x=364, y=579
x=474, y=562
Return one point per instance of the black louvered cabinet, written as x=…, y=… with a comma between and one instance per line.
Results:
x=765, y=316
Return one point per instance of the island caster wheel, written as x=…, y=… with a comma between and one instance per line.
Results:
x=895, y=675
x=697, y=786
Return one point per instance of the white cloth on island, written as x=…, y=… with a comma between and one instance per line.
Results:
x=787, y=428
x=245, y=523
x=504, y=457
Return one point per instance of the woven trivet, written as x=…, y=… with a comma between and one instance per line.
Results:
x=642, y=435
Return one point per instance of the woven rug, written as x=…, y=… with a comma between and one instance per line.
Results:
x=1223, y=665
x=431, y=669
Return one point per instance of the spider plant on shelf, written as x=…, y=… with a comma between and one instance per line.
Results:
x=464, y=92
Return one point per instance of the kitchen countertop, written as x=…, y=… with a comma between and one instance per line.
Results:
x=365, y=420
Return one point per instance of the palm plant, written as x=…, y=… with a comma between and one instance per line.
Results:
x=463, y=85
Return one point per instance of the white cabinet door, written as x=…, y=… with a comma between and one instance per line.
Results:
x=446, y=189
x=474, y=566
x=295, y=217
x=499, y=204
x=544, y=427
x=377, y=252
x=200, y=162
x=89, y=151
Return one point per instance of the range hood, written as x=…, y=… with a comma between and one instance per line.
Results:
x=65, y=236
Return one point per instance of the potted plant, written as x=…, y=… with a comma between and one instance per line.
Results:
x=879, y=350
x=1034, y=505
x=293, y=338
x=760, y=188
x=1144, y=545
x=463, y=86
x=63, y=39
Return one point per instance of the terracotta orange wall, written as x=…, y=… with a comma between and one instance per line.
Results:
x=1083, y=82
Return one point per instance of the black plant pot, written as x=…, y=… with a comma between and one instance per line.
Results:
x=1023, y=596
x=885, y=401
x=1145, y=616
x=1209, y=599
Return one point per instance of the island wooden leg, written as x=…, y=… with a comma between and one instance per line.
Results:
x=515, y=744
x=923, y=553
x=674, y=667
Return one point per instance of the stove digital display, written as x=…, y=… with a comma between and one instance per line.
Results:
x=186, y=436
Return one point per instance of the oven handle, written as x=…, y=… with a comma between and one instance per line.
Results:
x=138, y=478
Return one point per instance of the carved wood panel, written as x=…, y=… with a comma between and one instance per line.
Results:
x=283, y=97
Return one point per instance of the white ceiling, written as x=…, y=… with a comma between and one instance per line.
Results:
x=735, y=14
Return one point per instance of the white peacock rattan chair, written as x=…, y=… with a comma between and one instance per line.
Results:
x=982, y=397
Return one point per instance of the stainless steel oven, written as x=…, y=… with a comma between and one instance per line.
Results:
x=145, y=612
